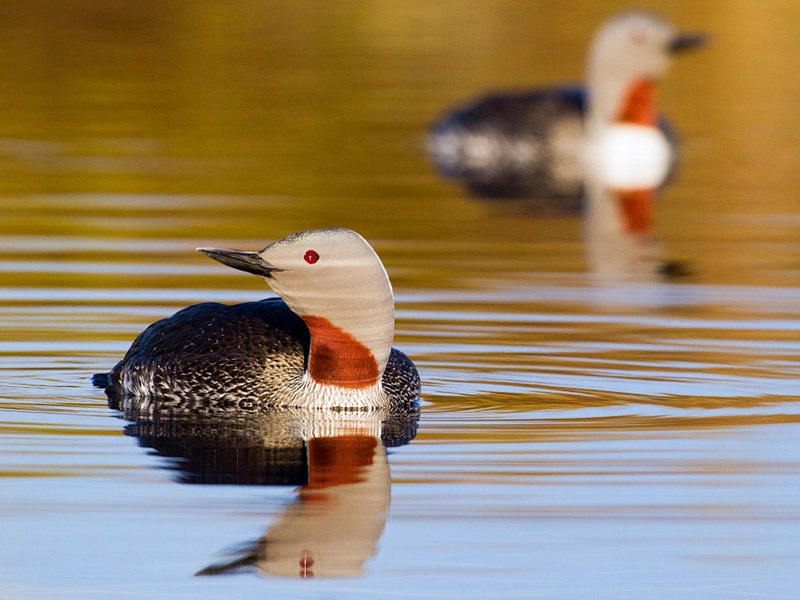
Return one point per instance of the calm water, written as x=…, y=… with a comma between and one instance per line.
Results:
x=575, y=441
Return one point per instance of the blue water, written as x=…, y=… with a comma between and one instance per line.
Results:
x=576, y=440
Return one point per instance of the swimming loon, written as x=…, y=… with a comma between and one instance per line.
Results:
x=533, y=144
x=328, y=342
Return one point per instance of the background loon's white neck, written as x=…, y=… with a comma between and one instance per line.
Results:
x=606, y=96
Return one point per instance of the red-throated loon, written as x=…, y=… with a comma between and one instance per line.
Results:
x=326, y=343
x=534, y=144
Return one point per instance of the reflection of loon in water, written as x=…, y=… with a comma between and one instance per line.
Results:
x=621, y=244
x=536, y=144
x=328, y=342
x=337, y=457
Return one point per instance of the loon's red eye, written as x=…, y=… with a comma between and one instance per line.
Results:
x=311, y=257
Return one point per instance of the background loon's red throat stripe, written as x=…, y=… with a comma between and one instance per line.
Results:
x=640, y=104
x=337, y=358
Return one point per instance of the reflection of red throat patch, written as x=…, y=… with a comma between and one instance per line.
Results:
x=640, y=104
x=338, y=460
x=337, y=358
x=637, y=209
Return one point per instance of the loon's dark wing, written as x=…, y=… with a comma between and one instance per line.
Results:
x=211, y=328
x=206, y=339
x=512, y=145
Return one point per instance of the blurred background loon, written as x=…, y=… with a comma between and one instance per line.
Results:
x=540, y=144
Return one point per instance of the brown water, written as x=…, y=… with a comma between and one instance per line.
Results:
x=575, y=441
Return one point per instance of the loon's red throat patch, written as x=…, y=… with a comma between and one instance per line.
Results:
x=640, y=104
x=337, y=358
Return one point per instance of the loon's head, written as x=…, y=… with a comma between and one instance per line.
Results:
x=334, y=280
x=629, y=54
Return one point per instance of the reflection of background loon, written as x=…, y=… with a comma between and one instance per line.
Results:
x=337, y=457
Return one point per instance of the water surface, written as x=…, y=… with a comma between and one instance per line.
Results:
x=575, y=441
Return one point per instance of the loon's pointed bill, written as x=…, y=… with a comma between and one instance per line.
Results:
x=688, y=40
x=244, y=260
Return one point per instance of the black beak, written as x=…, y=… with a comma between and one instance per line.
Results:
x=688, y=41
x=244, y=260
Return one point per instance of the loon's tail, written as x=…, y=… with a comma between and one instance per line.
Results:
x=101, y=380
x=446, y=143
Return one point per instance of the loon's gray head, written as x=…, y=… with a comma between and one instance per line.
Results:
x=334, y=280
x=632, y=49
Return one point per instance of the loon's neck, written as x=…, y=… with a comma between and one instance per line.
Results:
x=621, y=100
x=626, y=150
x=338, y=358
x=351, y=344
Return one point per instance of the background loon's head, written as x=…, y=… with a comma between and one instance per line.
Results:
x=334, y=280
x=632, y=49
x=637, y=44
